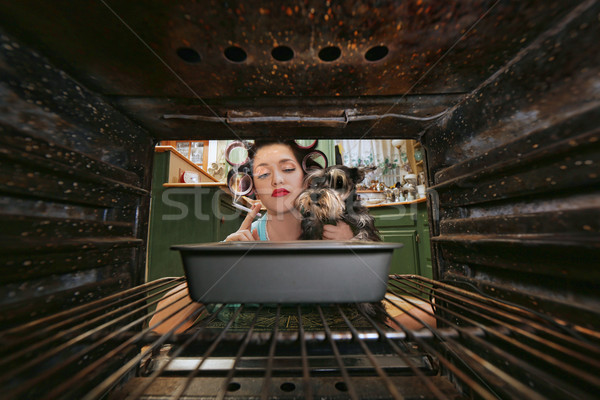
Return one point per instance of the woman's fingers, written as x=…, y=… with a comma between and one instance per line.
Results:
x=250, y=217
x=328, y=234
x=341, y=231
x=255, y=234
x=244, y=234
x=240, y=236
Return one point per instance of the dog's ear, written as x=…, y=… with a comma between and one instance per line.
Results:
x=357, y=174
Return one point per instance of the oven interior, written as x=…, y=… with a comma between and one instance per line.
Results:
x=503, y=96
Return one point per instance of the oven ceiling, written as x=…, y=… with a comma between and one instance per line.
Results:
x=157, y=58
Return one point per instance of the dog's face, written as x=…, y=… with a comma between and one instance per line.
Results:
x=326, y=191
x=337, y=177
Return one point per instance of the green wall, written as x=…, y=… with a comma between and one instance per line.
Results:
x=183, y=216
x=327, y=147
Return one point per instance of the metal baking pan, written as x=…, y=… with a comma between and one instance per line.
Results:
x=318, y=271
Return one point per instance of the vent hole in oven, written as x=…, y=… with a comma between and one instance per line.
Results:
x=188, y=55
x=282, y=53
x=330, y=53
x=233, y=387
x=235, y=54
x=287, y=387
x=376, y=53
x=341, y=386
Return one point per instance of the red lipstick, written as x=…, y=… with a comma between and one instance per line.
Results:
x=279, y=192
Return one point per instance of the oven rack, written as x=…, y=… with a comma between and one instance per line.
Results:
x=468, y=344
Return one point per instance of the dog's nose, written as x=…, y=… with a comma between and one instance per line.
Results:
x=315, y=196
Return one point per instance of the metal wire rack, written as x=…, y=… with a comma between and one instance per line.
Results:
x=427, y=339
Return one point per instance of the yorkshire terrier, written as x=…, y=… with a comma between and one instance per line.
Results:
x=329, y=196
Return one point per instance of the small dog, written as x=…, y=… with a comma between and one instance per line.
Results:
x=330, y=196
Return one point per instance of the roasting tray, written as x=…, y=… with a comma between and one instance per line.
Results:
x=318, y=271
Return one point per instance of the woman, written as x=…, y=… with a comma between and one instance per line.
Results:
x=277, y=175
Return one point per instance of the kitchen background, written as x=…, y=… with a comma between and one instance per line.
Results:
x=391, y=164
x=191, y=203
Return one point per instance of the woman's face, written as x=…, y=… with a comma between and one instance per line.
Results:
x=277, y=177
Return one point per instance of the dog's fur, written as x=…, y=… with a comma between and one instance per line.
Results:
x=329, y=196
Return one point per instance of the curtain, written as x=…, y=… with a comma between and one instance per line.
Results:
x=375, y=153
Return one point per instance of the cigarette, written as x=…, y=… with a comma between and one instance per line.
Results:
x=241, y=207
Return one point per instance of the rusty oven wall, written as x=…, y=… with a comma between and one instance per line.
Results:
x=74, y=190
x=514, y=169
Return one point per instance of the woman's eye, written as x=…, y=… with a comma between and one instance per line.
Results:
x=263, y=176
x=289, y=169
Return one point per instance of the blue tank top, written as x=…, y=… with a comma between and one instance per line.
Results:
x=261, y=226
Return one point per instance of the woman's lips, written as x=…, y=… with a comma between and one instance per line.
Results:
x=279, y=192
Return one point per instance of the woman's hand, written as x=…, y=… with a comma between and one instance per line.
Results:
x=243, y=234
x=341, y=231
x=175, y=308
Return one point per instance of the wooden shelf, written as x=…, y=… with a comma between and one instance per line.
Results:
x=179, y=162
x=415, y=166
x=199, y=184
x=189, y=144
x=400, y=203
